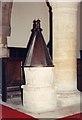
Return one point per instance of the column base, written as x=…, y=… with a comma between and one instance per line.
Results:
x=4, y=52
x=68, y=98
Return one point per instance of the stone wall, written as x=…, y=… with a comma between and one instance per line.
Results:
x=5, y=19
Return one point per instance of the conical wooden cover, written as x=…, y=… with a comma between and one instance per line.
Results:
x=37, y=54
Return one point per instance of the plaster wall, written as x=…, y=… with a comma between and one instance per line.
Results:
x=23, y=14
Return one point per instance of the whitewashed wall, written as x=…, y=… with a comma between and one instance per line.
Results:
x=22, y=18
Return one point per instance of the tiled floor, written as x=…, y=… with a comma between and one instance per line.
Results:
x=58, y=113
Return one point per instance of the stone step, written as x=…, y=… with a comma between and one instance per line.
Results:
x=12, y=89
x=13, y=94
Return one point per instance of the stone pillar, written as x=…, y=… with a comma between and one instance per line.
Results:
x=64, y=52
x=5, y=18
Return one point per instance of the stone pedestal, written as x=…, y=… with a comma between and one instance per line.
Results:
x=65, y=52
x=39, y=91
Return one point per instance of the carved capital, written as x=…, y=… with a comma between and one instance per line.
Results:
x=64, y=4
x=64, y=1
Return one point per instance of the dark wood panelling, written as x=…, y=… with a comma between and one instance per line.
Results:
x=79, y=74
x=16, y=52
x=12, y=75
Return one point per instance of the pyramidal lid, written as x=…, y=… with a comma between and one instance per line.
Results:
x=37, y=54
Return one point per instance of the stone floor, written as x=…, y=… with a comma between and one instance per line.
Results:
x=58, y=113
